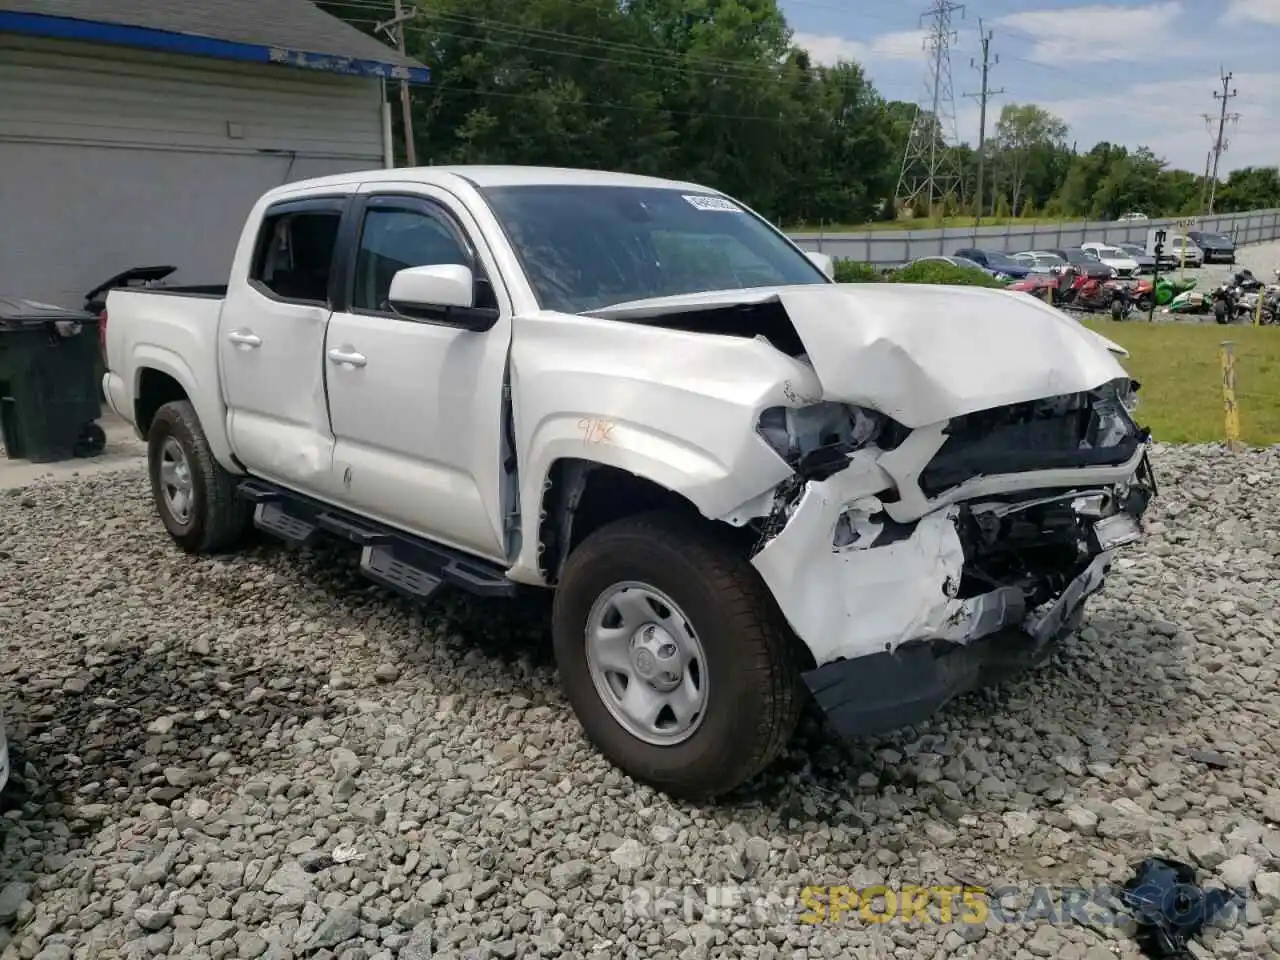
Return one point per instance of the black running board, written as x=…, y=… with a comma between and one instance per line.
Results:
x=417, y=568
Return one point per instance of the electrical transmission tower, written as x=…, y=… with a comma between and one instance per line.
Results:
x=987, y=63
x=928, y=173
x=1220, y=143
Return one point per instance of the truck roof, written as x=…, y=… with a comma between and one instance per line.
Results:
x=487, y=176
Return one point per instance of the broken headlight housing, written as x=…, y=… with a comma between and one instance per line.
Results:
x=816, y=440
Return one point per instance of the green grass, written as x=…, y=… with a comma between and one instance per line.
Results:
x=951, y=223
x=1179, y=367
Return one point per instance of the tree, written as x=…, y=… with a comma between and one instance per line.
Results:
x=1020, y=130
x=716, y=91
x=1252, y=188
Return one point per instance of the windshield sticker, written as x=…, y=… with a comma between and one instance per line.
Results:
x=712, y=203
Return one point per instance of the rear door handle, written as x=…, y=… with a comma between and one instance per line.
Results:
x=244, y=338
x=347, y=358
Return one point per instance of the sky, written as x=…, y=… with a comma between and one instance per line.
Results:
x=1130, y=72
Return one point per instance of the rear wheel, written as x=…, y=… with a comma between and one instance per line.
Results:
x=674, y=655
x=195, y=497
x=1145, y=303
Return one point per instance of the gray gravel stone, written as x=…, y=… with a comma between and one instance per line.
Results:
x=12, y=896
x=235, y=739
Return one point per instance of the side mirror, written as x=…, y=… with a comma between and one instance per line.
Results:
x=823, y=263
x=440, y=293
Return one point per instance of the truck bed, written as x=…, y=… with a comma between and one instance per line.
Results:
x=216, y=291
x=171, y=331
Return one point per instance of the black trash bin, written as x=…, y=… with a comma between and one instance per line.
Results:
x=49, y=395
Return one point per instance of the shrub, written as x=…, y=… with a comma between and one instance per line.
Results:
x=936, y=271
x=854, y=271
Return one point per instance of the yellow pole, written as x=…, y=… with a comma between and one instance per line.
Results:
x=1048, y=294
x=1257, y=311
x=1230, y=410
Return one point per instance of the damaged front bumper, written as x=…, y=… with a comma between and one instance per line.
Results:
x=902, y=617
x=885, y=691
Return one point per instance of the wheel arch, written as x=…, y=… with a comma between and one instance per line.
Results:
x=580, y=496
x=162, y=376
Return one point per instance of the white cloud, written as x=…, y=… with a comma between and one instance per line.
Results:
x=1156, y=115
x=1101, y=32
x=900, y=45
x=1255, y=11
x=828, y=49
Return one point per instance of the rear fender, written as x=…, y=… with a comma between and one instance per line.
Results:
x=209, y=409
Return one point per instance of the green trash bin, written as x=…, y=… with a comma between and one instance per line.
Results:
x=50, y=399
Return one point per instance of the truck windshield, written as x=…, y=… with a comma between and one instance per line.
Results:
x=586, y=247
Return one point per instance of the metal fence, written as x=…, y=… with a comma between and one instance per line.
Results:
x=886, y=247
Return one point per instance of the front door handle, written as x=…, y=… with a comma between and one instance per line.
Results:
x=244, y=338
x=347, y=357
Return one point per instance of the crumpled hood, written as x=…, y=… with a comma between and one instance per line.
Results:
x=921, y=353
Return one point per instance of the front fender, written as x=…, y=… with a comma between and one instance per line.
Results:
x=713, y=487
x=205, y=398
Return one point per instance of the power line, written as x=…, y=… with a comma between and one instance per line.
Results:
x=987, y=92
x=648, y=57
x=1220, y=145
x=926, y=170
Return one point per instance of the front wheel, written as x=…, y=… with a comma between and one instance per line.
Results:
x=674, y=656
x=195, y=497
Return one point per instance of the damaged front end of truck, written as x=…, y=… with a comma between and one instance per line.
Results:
x=963, y=463
x=919, y=564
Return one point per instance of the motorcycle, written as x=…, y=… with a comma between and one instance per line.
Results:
x=1191, y=302
x=1225, y=302
x=1078, y=291
x=1147, y=295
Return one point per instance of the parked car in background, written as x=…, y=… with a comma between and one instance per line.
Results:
x=1123, y=264
x=1175, y=246
x=1184, y=250
x=1216, y=247
x=1042, y=260
x=711, y=527
x=955, y=262
x=1129, y=217
x=1146, y=262
x=1090, y=264
x=995, y=262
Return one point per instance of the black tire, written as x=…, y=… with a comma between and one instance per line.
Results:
x=219, y=519
x=1145, y=304
x=754, y=694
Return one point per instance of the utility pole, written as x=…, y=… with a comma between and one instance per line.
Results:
x=394, y=28
x=987, y=64
x=1208, y=159
x=927, y=172
x=1220, y=144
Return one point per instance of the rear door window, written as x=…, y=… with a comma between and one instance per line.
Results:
x=293, y=260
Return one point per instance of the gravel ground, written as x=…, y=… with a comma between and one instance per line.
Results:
x=196, y=739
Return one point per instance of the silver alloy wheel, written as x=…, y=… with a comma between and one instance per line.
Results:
x=647, y=663
x=175, y=480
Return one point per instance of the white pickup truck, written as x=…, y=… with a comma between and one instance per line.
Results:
x=742, y=479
